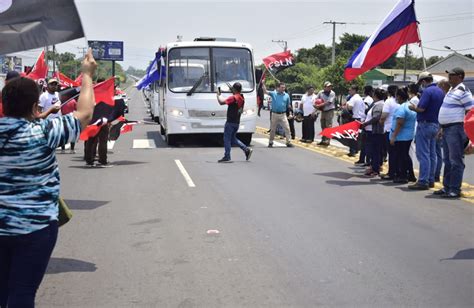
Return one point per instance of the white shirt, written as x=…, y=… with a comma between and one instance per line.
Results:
x=357, y=105
x=414, y=101
x=367, y=101
x=307, y=101
x=389, y=107
x=47, y=100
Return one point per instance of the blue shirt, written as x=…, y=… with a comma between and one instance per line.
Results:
x=280, y=102
x=431, y=101
x=29, y=173
x=407, y=132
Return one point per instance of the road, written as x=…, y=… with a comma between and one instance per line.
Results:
x=290, y=228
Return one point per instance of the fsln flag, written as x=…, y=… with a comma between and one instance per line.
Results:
x=40, y=69
x=65, y=81
x=279, y=61
x=397, y=29
x=29, y=24
x=104, y=91
x=346, y=131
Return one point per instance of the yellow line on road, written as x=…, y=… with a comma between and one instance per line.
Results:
x=341, y=154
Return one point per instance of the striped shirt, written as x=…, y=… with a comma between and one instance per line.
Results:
x=29, y=173
x=455, y=104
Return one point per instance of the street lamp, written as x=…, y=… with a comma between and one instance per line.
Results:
x=449, y=48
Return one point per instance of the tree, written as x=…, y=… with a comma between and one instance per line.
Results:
x=335, y=75
x=319, y=55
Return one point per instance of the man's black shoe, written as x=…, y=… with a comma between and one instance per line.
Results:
x=418, y=186
x=270, y=145
x=413, y=179
x=440, y=192
x=289, y=145
x=451, y=195
x=224, y=160
x=248, y=153
x=351, y=154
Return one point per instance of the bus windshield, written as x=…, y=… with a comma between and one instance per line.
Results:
x=186, y=66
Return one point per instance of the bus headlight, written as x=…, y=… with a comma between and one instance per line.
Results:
x=176, y=113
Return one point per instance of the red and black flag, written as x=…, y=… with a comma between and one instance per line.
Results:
x=39, y=70
x=29, y=24
x=279, y=61
x=346, y=134
x=123, y=126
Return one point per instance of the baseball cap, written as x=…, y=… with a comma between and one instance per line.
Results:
x=12, y=74
x=456, y=71
x=424, y=75
x=327, y=84
x=51, y=80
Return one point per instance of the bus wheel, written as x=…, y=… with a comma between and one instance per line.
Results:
x=171, y=139
x=156, y=119
x=245, y=138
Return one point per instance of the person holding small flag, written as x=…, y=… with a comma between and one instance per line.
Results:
x=280, y=103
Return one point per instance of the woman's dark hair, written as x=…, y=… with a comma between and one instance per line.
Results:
x=413, y=88
x=380, y=94
x=355, y=88
x=402, y=94
x=19, y=96
x=392, y=90
x=368, y=90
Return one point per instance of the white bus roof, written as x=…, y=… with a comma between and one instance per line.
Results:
x=208, y=44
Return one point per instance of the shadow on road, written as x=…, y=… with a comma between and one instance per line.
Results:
x=84, y=204
x=348, y=183
x=466, y=254
x=65, y=265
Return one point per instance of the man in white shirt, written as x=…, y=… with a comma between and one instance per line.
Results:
x=357, y=106
x=50, y=98
x=309, y=115
x=389, y=108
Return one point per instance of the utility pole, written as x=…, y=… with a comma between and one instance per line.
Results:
x=334, y=23
x=54, y=59
x=279, y=42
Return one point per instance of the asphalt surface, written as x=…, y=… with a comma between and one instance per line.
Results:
x=289, y=228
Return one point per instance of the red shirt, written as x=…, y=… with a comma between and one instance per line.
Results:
x=235, y=105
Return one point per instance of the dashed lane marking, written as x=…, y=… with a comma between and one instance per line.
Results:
x=144, y=144
x=185, y=174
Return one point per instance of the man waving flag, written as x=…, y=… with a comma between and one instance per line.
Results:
x=29, y=24
x=397, y=29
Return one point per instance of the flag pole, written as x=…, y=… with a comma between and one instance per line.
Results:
x=419, y=35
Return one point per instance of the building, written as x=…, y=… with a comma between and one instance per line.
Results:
x=452, y=61
x=380, y=76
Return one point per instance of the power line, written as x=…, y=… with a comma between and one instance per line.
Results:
x=445, y=50
x=279, y=42
x=448, y=37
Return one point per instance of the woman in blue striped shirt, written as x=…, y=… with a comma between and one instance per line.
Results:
x=29, y=183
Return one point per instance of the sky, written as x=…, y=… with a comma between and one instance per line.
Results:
x=146, y=25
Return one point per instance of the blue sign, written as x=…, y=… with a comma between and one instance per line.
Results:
x=107, y=50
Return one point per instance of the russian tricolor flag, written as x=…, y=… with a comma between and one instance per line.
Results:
x=397, y=29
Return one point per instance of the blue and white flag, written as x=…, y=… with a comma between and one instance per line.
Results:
x=155, y=71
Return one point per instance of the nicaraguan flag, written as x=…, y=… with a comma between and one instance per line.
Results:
x=155, y=71
x=397, y=29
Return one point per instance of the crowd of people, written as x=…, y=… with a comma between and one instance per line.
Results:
x=394, y=119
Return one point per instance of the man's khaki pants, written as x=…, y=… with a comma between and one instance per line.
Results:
x=283, y=121
x=326, y=121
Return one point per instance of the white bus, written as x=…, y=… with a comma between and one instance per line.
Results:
x=185, y=101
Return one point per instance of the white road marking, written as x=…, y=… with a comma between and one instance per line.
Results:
x=264, y=141
x=110, y=144
x=144, y=144
x=184, y=173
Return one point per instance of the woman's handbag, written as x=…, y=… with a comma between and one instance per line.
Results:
x=65, y=213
